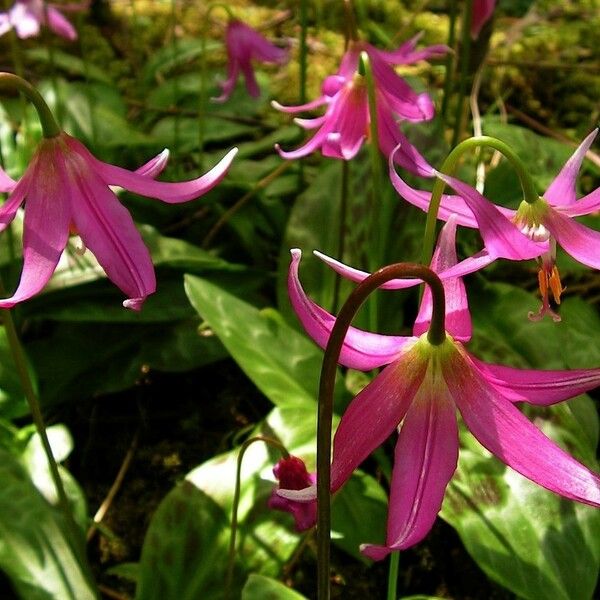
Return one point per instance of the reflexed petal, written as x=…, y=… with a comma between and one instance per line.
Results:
x=538, y=387
x=171, y=193
x=228, y=85
x=501, y=237
x=406, y=53
x=362, y=350
x=59, y=24
x=458, y=318
x=25, y=22
x=7, y=183
x=263, y=50
x=301, y=107
x=562, y=189
x=9, y=209
x=449, y=205
x=311, y=145
x=392, y=140
x=358, y=276
x=506, y=432
x=584, y=206
x=310, y=123
x=250, y=78
x=374, y=414
x=155, y=166
x=108, y=230
x=425, y=460
x=468, y=265
x=482, y=12
x=45, y=235
x=581, y=242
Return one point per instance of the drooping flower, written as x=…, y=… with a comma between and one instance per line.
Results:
x=28, y=16
x=482, y=13
x=244, y=45
x=418, y=393
x=292, y=474
x=345, y=124
x=65, y=188
x=549, y=220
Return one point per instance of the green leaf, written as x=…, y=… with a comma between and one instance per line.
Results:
x=281, y=362
x=72, y=65
x=184, y=555
x=259, y=587
x=172, y=55
x=36, y=551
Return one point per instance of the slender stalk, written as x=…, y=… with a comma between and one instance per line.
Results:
x=11, y=81
x=175, y=80
x=236, y=501
x=529, y=190
x=449, y=74
x=392, y=593
x=436, y=335
x=53, y=79
x=351, y=26
x=465, y=57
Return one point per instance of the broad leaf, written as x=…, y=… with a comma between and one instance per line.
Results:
x=259, y=587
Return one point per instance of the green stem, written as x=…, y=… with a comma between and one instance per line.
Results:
x=465, y=51
x=351, y=26
x=392, y=593
x=449, y=79
x=529, y=190
x=236, y=501
x=11, y=81
x=436, y=335
x=175, y=80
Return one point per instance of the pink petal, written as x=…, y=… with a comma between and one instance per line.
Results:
x=155, y=166
x=374, y=414
x=301, y=107
x=421, y=199
x=469, y=265
x=482, y=13
x=7, y=184
x=502, y=237
x=250, y=78
x=458, y=318
x=5, y=24
x=425, y=460
x=310, y=123
x=9, y=209
x=108, y=230
x=584, y=206
x=25, y=21
x=392, y=140
x=562, y=189
x=362, y=350
x=172, y=193
x=581, y=242
x=228, y=85
x=503, y=430
x=45, y=234
x=59, y=24
x=406, y=53
x=538, y=387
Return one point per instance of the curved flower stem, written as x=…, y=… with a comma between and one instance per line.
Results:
x=236, y=501
x=10, y=81
x=392, y=591
x=436, y=335
x=529, y=190
x=465, y=58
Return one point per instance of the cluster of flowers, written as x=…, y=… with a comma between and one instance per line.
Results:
x=67, y=189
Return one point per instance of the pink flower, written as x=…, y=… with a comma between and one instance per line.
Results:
x=482, y=13
x=244, y=44
x=345, y=124
x=292, y=474
x=417, y=393
x=65, y=188
x=548, y=221
x=27, y=17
